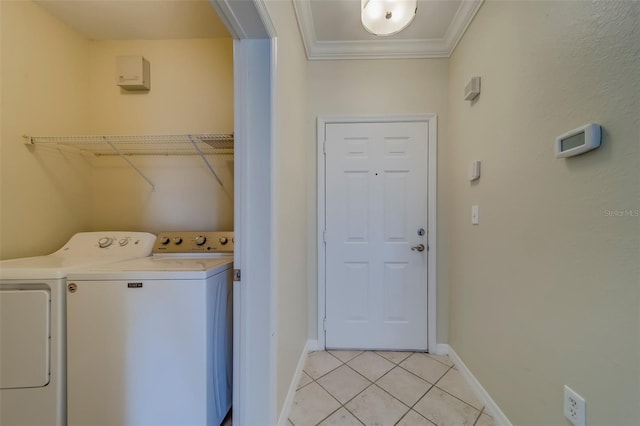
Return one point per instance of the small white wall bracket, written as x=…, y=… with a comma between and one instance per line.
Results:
x=472, y=89
x=474, y=171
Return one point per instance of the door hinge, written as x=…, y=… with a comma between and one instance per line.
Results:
x=324, y=324
x=324, y=236
x=236, y=275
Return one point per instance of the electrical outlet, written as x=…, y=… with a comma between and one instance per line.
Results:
x=574, y=407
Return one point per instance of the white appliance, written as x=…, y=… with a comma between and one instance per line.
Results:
x=150, y=340
x=32, y=323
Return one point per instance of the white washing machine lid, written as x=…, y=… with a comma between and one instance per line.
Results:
x=84, y=249
x=157, y=267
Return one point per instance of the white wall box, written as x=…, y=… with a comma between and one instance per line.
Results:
x=474, y=171
x=134, y=73
x=472, y=89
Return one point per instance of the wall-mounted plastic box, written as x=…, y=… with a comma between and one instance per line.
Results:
x=134, y=73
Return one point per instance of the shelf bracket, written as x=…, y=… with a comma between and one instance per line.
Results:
x=133, y=166
x=213, y=172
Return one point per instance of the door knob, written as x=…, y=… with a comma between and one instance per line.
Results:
x=419, y=247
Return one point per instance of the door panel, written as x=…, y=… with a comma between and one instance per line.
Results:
x=375, y=203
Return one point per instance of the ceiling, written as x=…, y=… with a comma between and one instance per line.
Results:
x=330, y=29
x=138, y=19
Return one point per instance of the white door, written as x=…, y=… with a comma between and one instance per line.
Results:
x=376, y=275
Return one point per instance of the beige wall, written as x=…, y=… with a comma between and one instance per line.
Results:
x=44, y=192
x=56, y=82
x=289, y=186
x=378, y=87
x=191, y=92
x=545, y=291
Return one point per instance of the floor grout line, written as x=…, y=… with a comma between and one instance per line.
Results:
x=370, y=383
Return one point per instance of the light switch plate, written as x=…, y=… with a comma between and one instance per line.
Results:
x=475, y=219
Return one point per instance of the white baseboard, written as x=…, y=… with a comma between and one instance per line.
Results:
x=312, y=346
x=440, y=349
x=288, y=401
x=492, y=408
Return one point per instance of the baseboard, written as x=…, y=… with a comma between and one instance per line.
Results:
x=312, y=346
x=492, y=408
x=288, y=401
x=440, y=349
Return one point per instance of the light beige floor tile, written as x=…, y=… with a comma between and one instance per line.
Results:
x=393, y=356
x=425, y=367
x=454, y=383
x=343, y=383
x=376, y=407
x=442, y=358
x=485, y=420
x=445, y=410
x=370, y=365
x=304, y=380
x=342, y=417
x=312, y=404
x=345, y=356
x=407, y=387
x=320, y=363
x=414, y=419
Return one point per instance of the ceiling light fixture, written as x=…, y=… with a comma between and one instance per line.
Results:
x=387, y=17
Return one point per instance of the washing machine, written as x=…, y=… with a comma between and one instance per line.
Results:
x=32, y=323
x=150, y=340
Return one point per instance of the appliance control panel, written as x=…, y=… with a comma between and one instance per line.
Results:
x=194, y=242
x=116, y=244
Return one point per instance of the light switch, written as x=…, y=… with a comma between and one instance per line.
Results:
x=474, y=215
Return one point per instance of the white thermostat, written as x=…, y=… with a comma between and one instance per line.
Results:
x=578, y=141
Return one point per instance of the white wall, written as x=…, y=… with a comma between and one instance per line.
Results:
x=377, y=87
x=191, y=92
x=44, y=193
x=545, y=291
x=290, y=216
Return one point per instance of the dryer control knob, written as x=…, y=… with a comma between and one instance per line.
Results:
x=105, y=242
x=123, y=242
x=177, y=240
x=223, y=240
x=200, y=240
x=164, y=240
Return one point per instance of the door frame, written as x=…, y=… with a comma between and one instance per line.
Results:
x=254, y=301
x=432, y=174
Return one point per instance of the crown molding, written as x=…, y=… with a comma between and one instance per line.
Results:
x=383, y=49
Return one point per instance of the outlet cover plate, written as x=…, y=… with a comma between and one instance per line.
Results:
x=574, y=407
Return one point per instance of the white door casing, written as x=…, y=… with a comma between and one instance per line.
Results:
x=376, y=179
x=254, y=360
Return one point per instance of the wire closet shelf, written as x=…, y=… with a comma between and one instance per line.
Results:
x=125, y=146
x=195, y=144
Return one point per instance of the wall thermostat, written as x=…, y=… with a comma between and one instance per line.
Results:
x=578, y=141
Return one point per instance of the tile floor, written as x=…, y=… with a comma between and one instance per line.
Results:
x=384, y=388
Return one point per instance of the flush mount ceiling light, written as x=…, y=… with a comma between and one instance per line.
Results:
x=387, y=17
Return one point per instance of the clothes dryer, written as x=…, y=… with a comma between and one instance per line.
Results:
x=150, y=340
x=33, y=323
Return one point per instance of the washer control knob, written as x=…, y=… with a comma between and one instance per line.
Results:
x=105, y=242
x=177, y=240
x=123, y=242
x=200, y=240
x=164, y=240
x=223, y=240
